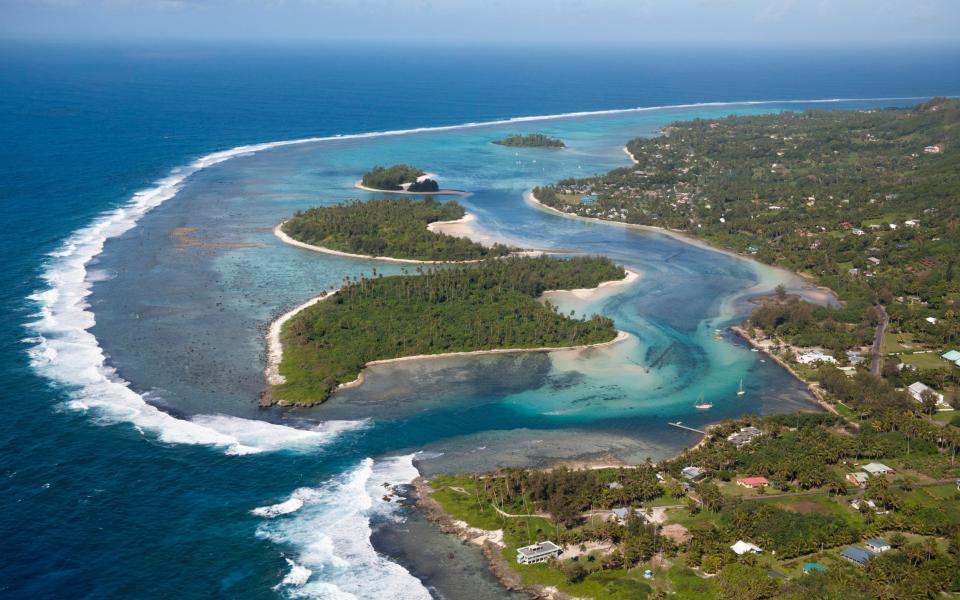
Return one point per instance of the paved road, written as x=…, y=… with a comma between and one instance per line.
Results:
x=876, y=361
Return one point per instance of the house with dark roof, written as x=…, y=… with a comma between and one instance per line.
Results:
x=857, y=556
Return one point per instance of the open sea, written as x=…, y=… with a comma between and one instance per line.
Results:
x=138, y=189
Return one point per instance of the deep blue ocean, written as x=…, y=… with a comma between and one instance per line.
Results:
x=98, y=504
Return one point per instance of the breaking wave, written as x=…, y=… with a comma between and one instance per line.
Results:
x=64, y=350
x=328, y=535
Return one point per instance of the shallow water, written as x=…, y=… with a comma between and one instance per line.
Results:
x=109, y=497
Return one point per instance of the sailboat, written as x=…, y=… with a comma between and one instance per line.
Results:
x=740, y=392
x=702, y=404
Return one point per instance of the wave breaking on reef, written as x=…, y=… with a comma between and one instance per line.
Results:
x=64, y=350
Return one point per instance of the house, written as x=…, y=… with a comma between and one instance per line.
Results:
x=857, y=556
x=917, y=389
x=813, y=567
x=753, y=482
x=857, y=503
x=858, y=231
x=931, y=320
x=693, y=473
x=540, y=552
x=877, y=546
x=614, y=485
x=877, y=469
x=951, y=355
x=858, y=479
x=808, y=358
x=874, y=260
x=911, y=223
x=932, y=150
x=742, y=547
x=744, y=436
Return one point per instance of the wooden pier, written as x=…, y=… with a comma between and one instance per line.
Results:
x=681, y=426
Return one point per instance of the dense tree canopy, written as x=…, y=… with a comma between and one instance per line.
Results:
x=397, y=178
x=531, y=140
x=482, y=306
x=394, y=227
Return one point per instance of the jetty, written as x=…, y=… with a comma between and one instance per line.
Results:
x=682, y=426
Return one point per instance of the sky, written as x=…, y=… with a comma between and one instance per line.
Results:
x=562, y=21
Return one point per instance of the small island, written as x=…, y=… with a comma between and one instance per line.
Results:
x=400, y=178
x=398, y=228
x=531, y=140
x=486, y=307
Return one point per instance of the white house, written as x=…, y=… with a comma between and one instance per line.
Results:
x=877, y=546
x=540, y=552
x=742, y=547
x=808, y=358
x=931, y=320
x=877, y=469
x=917, y=390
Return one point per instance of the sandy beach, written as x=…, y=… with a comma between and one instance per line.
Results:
x=633, y=159
x=462, y=222
x=275, y=343
x=359, y=185
x=589, y=294
x=812, y=292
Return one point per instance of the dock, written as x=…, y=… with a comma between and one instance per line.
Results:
x=682, y=426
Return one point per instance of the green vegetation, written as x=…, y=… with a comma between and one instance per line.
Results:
x=805, y=516
x=399, y=178
x=488, y=305
x=531, y=140
x=394, y=227
x=865, y=201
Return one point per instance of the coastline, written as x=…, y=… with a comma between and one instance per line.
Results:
x=360, y=186
x=633, y=159
x=814, y=291
x=275, y=344
x=811, y=385
x=278, y=231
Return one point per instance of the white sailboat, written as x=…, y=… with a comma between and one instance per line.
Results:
x=702, y=404
x=740, y=392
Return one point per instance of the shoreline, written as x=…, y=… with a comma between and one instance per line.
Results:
x=633, y=159
x=811, y=385
x=687, y=238
x=274, y=345
x=359, y=185
x=285, y=238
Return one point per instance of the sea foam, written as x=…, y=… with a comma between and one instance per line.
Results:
x=329, y=535
x=65, y=351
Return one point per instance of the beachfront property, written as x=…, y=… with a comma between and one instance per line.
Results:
x=809, y=358
x=693, y=473
x=877, y=469
x=857, y=556
x=918, y=389
x=744, y=436
x=858, y=479
x=753, y=482
x=742, y=547
x=877, y=546
x=537, y=553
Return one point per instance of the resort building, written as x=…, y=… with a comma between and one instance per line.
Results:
x=877, y=546
x=858, y=479
x=742, y=547
x=693, y=473
x=744, y=436
x=753, y=482
x=857, y=556
x=878, y=469
x=540, y=552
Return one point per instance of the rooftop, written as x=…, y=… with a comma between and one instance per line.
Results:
x=538, y=549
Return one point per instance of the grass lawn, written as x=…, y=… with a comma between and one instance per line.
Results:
x=925, y=360
x=898, y=342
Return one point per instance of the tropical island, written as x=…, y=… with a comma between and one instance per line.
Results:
x=398, y=228
x=490, y=306
x=530, y=140
x=400, y=179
